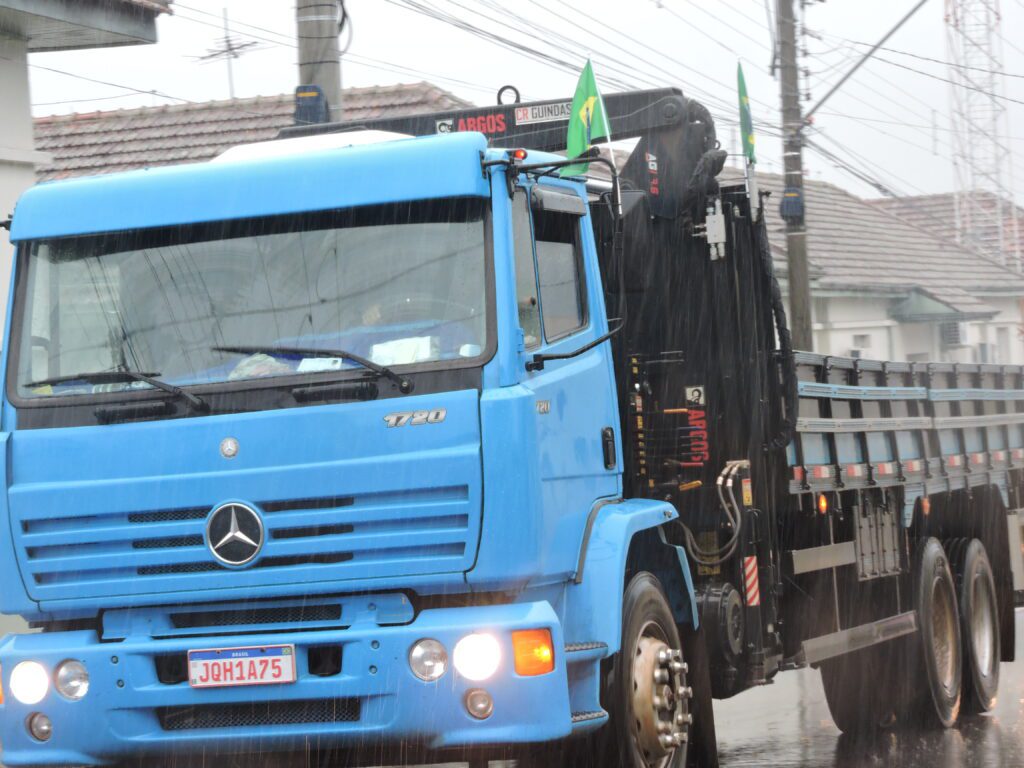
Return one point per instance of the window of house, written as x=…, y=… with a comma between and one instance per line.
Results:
x=562, y=288
x=1003, y=345
x=526, y=272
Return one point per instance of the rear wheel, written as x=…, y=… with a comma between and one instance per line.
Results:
x=854, y=690
x=935, y=653
x=979, y=624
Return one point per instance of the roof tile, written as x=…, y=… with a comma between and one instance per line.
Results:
x=105, y=142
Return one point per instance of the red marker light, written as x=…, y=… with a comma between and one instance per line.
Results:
x=519, y=154
x=822, y=504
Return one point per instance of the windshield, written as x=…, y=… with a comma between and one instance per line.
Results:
x=398, y=284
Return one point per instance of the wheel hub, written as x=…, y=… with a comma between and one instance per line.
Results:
x=661, y=699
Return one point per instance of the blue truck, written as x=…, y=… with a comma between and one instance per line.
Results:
x=393, y=447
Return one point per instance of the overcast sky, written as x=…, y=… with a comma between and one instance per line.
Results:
x=890, y=123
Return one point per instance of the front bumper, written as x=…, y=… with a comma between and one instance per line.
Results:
x=375, y=700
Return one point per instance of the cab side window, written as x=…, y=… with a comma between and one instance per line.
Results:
x=526, y=272
x=559, y=266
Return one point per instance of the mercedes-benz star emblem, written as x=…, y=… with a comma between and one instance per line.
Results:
x=234, y=533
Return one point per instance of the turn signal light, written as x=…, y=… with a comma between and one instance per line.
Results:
x=519, y=154
x=533, y=652
x=822, y=504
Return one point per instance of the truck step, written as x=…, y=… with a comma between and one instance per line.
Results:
x=584, y=717
x=579, y=652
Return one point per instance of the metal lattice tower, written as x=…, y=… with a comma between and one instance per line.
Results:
x=986, y=219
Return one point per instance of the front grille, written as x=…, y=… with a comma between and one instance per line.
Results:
x=209, y=716
x=169, y=515
x=381, y=533
x=171, y=541
x=280, y=615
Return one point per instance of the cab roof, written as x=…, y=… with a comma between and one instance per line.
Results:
x=322, y=179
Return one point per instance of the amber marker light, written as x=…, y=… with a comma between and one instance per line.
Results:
x=519, y=154
x=533, y=652
x=822, y=504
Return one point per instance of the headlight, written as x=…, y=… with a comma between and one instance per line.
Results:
x=428, y=660
x=477, y=656
x=29, y=682
x=72, y=680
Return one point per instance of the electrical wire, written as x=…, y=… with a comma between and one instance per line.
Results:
x=150, y=92
x=951, y=82
x=941, y=61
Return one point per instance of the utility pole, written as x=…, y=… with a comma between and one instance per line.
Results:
x=792, y=204
x=319, y=59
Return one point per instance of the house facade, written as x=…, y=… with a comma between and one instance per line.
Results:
x=886, y=285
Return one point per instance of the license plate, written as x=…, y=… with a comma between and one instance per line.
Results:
x=225, y=667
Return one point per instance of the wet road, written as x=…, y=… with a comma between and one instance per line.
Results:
x=787, y=724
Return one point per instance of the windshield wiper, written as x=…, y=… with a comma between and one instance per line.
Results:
x=404, y=385
x=123, y=374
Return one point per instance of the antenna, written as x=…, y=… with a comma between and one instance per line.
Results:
x=985, y=215
x=229, y=49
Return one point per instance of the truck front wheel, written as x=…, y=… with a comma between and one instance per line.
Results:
x=647, y=695
x=644, y=690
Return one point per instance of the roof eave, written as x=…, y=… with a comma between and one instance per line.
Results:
x=66, y=25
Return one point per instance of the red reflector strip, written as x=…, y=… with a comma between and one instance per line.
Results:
x=798, y=474
x=998, y=455
x=955, y=461
x=855, y=470
x=886, y=468
x=1018, y=454
x=753, y=590
x=822, y=471
x=977, y=458
x=912, y=465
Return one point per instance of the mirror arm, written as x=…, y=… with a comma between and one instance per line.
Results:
x=537, y=363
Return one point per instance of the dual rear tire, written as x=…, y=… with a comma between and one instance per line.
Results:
x=950, y=664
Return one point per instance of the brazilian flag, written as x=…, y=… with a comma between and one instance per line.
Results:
x=746, y=120
x=588, y=121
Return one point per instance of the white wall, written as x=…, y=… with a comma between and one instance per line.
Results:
x=842, y=324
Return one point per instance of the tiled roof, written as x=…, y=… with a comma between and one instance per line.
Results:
x=121, y=140
x=856, y=245
x=938, y=214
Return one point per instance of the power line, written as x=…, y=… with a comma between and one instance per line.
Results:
x=951, y=82
x=718, y=20
x=366, y=61
x=944, y=63
x=150, y=92
x=79, y=101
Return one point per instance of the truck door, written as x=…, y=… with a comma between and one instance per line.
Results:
x=561, y=308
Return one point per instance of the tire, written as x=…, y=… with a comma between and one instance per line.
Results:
x=935, y=652
x=649, y=633
x=979, y=625
x=855, y=697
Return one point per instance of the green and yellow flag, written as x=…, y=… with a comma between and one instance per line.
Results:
x=588, y=121
x=746, y=120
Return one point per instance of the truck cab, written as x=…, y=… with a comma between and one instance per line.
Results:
x=281, y=410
